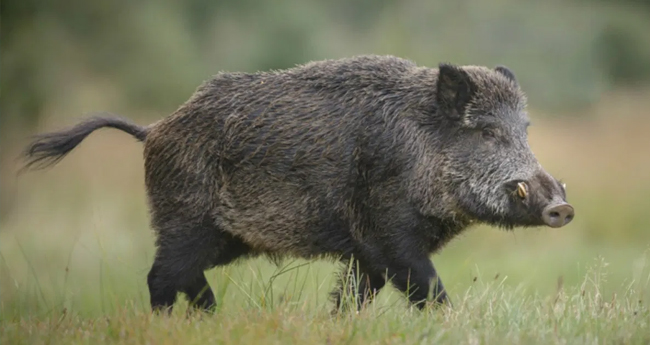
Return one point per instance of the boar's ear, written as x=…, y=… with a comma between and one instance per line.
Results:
x=454, y=90
x=506, y=72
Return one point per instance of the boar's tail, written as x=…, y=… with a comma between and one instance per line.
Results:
x=49, y=148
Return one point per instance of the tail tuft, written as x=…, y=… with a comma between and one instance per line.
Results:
x=49, y=148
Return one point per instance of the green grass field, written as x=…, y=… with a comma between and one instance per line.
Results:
x=75, y=249
x=529, y=293
x=293, y=311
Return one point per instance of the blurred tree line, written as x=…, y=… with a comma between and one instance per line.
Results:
x=566, y=53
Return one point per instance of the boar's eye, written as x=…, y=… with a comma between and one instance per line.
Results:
x=488, y=133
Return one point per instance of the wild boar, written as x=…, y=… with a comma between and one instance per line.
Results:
x=370, y=158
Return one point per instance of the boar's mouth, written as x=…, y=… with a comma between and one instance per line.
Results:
x=531, y=204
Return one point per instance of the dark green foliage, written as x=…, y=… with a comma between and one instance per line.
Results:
x=625, y=55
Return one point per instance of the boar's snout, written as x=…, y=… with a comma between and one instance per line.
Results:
x=558, y=215
x=540, y=200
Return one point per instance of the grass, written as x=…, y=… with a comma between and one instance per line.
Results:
x=484, y=312
x=75, y=251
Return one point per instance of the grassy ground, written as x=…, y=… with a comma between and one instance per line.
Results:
x=485, y=312
x=260, y=303
x=75, y=250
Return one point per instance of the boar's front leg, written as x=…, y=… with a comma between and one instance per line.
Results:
x=416, y=277
x=400, y=250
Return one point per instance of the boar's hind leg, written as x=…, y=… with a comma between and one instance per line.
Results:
x=199, y=293
x=417, y=279
x=357, y=282
x=181, y=258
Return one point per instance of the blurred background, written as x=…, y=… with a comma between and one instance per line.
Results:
x=77, y=236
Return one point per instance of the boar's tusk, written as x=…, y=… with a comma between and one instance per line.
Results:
x=521, y=190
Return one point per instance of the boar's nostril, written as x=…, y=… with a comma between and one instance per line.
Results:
x=557, y=216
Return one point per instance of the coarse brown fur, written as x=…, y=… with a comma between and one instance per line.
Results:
x=370, y=157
